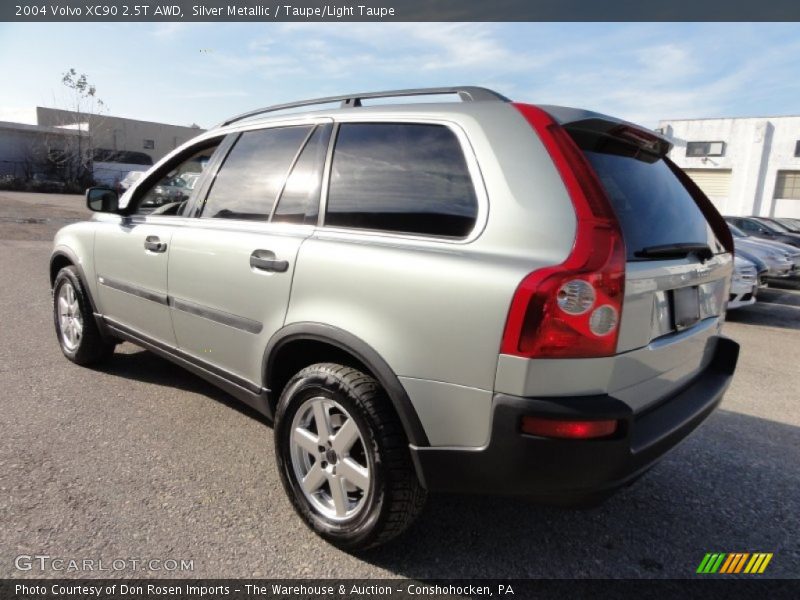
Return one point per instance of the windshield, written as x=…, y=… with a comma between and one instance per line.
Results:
x=736, y=231
x=790, y=224
x=773, y=226
x=653, y=207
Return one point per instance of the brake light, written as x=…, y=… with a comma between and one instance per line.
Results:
x=571, y=310
x=641, y=138
x=577, y=430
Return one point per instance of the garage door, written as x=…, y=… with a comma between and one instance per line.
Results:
x=715, y=183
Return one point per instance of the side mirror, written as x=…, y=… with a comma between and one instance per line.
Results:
x=102, y=199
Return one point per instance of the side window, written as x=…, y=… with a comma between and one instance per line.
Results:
x=399, y=177
x=253, y=173
x=299, y=202
x=176, y=185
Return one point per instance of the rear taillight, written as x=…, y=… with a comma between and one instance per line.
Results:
x=571, y=310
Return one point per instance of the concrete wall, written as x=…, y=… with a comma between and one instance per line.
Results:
x=756, y=149
x=118, y=133
x=25, y=146
x=111, y=173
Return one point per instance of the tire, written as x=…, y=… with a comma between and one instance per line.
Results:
x=76, y=330
x=380, y=492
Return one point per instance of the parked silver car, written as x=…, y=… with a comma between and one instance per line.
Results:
x=779, y=265
x=782, y=260
x=466, y=296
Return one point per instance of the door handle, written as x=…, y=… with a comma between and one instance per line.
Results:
x=264, y=260
x=154, y=244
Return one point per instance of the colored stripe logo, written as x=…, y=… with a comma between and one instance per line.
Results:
x=735, y=562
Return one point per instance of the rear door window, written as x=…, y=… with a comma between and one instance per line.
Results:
x=299, y=202
x=403, y=178
x=253, y=173
x=652, y=205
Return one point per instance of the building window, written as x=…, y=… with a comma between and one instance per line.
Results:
x=787, y=185
x=149, y=144
x=705, y=148
x=797, y=148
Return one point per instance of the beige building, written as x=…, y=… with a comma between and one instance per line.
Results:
x=25, y=148
x=120, y=134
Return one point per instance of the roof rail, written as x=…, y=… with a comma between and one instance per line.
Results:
x=466, y=93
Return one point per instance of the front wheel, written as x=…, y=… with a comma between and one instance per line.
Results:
x=344, y=459
x=76, y=329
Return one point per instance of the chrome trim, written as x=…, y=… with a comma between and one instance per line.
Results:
x=212, y=314
x=134, y=290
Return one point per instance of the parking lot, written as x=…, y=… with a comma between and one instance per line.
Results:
x=140, y=459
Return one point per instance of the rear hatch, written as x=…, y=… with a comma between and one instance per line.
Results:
x=677, y=271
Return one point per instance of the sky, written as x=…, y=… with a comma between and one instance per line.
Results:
x=184, y=73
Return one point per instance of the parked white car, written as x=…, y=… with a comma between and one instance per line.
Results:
x=744, y=285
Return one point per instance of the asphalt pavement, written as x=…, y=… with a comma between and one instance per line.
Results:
x=142, y=460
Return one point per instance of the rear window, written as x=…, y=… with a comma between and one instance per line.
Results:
x=652, y=205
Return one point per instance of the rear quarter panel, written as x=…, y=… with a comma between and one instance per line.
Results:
x=435, y=310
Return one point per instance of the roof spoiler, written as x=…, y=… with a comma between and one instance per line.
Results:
x=575, y=119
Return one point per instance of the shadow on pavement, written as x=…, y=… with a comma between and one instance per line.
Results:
x=730, y=487
x=147, y=367
x=775, y=308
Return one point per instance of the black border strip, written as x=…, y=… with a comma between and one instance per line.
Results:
x=322, y=11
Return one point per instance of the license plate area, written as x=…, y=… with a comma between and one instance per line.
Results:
x=685, y=307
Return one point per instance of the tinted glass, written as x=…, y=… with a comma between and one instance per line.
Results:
x=299, y=201
x=253, y=173
x=408, y=178
x=748, y=225
x=736, y=231
x=175, y=187
x=652, y=205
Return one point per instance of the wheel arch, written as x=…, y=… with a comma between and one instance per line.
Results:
x=59, y=260
x=302, y=344
x=64, y=257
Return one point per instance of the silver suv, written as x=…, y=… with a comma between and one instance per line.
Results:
x=463, y=296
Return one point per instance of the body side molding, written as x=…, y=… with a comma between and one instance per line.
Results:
x=133, y=290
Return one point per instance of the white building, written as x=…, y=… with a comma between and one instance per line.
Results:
x=747, y=166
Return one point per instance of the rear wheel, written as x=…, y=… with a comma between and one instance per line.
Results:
x=76, y=329
x=344, y=459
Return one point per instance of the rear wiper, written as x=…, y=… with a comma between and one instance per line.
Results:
x=680, y=250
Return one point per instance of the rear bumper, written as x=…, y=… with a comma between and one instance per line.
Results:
x=566, y=471
x=742, y=297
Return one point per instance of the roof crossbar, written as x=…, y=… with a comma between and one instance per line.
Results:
x=466, y=93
